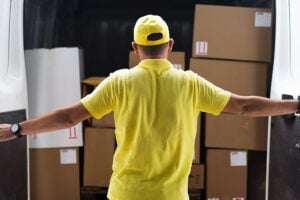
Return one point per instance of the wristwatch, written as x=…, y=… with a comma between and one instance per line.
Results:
x=15, y=129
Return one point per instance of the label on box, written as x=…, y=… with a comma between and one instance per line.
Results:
x=177, y=66
x=238, y=198
x=263, y=19
x=213, y=199
x=201, y=48
x=68, y=156
x=238, y=158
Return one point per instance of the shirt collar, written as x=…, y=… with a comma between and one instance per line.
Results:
x=161, y=64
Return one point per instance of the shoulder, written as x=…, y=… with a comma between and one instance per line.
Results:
x=192, y=76
x=124, y=72
x=119, y=72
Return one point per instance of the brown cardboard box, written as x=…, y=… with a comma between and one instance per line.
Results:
x=244, y=78
x=226, y=174
x=177, y=58
x=107, y=121
x=98, y=156
x=54, y=174
x=237, y=33
x=88, y=85
x=236, y=132
x=196, y=177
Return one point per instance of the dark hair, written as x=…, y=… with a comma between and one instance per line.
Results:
x=153, y=50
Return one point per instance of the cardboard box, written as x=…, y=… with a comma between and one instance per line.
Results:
x=226, y=174
x=107, y=121
x=240, y=77
x=236, y=132
x=196, y=177
x=177, y=58
x=243, y=78
x=235, y=33
x=98, y=156
x=54, y=173
x=89, y=84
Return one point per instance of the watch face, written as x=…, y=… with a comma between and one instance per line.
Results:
x=14, y=128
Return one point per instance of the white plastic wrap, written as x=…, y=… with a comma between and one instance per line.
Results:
x=54, y=77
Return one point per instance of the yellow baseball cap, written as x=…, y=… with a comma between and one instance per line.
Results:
x=151, y=30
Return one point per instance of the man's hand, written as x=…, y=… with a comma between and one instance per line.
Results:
x=5, y=133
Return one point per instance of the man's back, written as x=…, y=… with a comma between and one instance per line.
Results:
x=156, y=109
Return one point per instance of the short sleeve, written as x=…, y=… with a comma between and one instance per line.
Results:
x=102, y=100
x=209, y=97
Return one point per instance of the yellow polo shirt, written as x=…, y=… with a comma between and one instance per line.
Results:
x=156, y=109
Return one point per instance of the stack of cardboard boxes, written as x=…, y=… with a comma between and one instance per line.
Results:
x=232, y=48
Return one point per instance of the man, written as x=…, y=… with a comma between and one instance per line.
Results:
x=156, y=109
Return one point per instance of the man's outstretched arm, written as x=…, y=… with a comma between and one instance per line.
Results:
x=259, y=106
x=55, y=120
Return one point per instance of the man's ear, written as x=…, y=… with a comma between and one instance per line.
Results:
x=171, y=43
x=135, y=48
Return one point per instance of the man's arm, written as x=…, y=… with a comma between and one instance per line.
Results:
x=58, y=119
x=259, y=106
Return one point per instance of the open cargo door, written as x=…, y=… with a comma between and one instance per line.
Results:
x=13, y=101
x=283, y=171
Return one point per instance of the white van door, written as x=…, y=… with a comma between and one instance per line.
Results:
x=283, y=167
x=13, y=101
